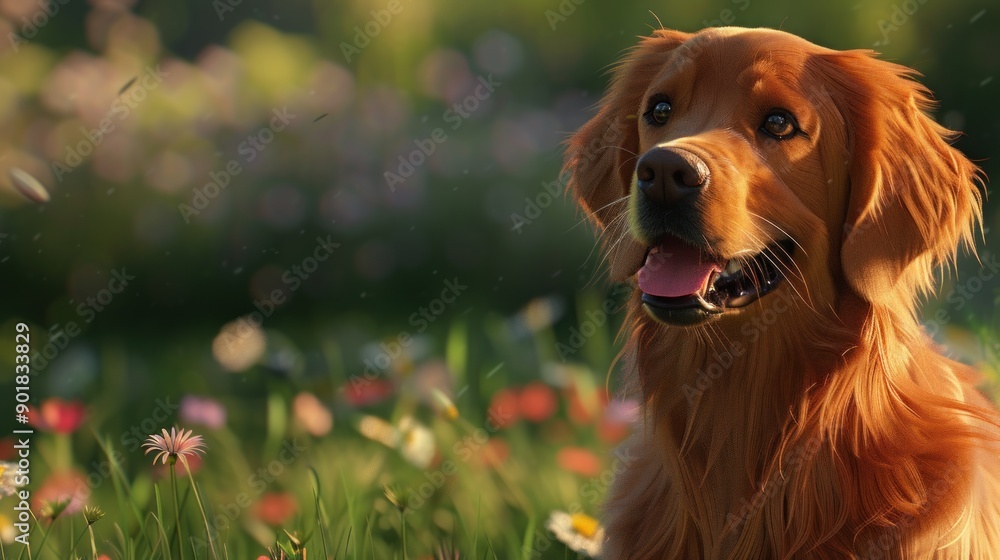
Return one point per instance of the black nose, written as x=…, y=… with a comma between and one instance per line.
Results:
x=669, y=175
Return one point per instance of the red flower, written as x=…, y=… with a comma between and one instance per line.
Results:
x=503, y=408
x=537, y=402
x=579, y=460
x=61, y=486
x=368, y=392
x=6, y=448
x=611, y=431
x=494, y=453
x=57, y=415
x=275, y=508
x=583, y=408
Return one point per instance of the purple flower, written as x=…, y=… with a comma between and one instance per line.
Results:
x=202, y=410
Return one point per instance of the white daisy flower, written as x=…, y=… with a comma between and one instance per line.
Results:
x=418, y=445
x=377, y=429
x=8, y=473
x=579, y=532
x=7, y=530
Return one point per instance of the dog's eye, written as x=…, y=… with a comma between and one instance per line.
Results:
x=659, y=111
x=780, y=124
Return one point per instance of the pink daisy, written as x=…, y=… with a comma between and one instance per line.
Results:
x=180, y=444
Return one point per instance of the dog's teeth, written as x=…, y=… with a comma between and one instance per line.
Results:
x=733, y=267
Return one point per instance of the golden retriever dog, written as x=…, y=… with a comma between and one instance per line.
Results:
x=781, y=208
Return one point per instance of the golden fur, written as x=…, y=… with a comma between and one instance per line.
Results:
x=821, y=421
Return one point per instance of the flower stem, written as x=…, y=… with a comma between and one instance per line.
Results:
x=177, y=506
x=402, y=520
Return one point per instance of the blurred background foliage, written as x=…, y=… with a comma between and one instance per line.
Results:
x=361, y=100
x=228, y=65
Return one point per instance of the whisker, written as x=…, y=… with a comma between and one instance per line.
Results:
x=782, y=230
x=608, y=205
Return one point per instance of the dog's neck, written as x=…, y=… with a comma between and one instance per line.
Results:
x=736, y=410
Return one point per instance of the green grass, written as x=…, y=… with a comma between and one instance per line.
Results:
x=356, y=498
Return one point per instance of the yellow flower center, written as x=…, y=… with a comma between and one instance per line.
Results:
x=584, y=525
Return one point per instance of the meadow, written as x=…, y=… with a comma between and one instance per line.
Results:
x=331, y=240
x=459, y=444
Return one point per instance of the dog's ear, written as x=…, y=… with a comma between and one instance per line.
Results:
x=913, y=197
x=600, y=157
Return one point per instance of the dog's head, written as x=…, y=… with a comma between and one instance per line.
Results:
x=733, y=163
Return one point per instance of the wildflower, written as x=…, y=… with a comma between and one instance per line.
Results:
x=175, y=444
x=503, y=408
x=494, y=453
x=365, y=392
x=625, y=411
x=418, y=445
x=581, y=533
x=8, y=474
x=585, y=402
x=275, y=508
x=539, y=314
x=7, y=451
x=239, y=345
x=612, y=432
x=54, y=508
x=311, y=414
x=445, y=404
x=161, y=471
x=7, y=530
x=67, y=488
x=379, y=430
x=395, y=497
x=202, y=410
x=57, y=415
x=432, y=375
x=579, y=460
x=93, y=514
x=26, y=184
x=537, y=402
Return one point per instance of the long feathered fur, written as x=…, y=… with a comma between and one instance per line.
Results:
x=824, y=428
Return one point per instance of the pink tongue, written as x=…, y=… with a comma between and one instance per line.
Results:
x=676, y=270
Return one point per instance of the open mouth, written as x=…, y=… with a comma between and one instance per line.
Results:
x=683, y=285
